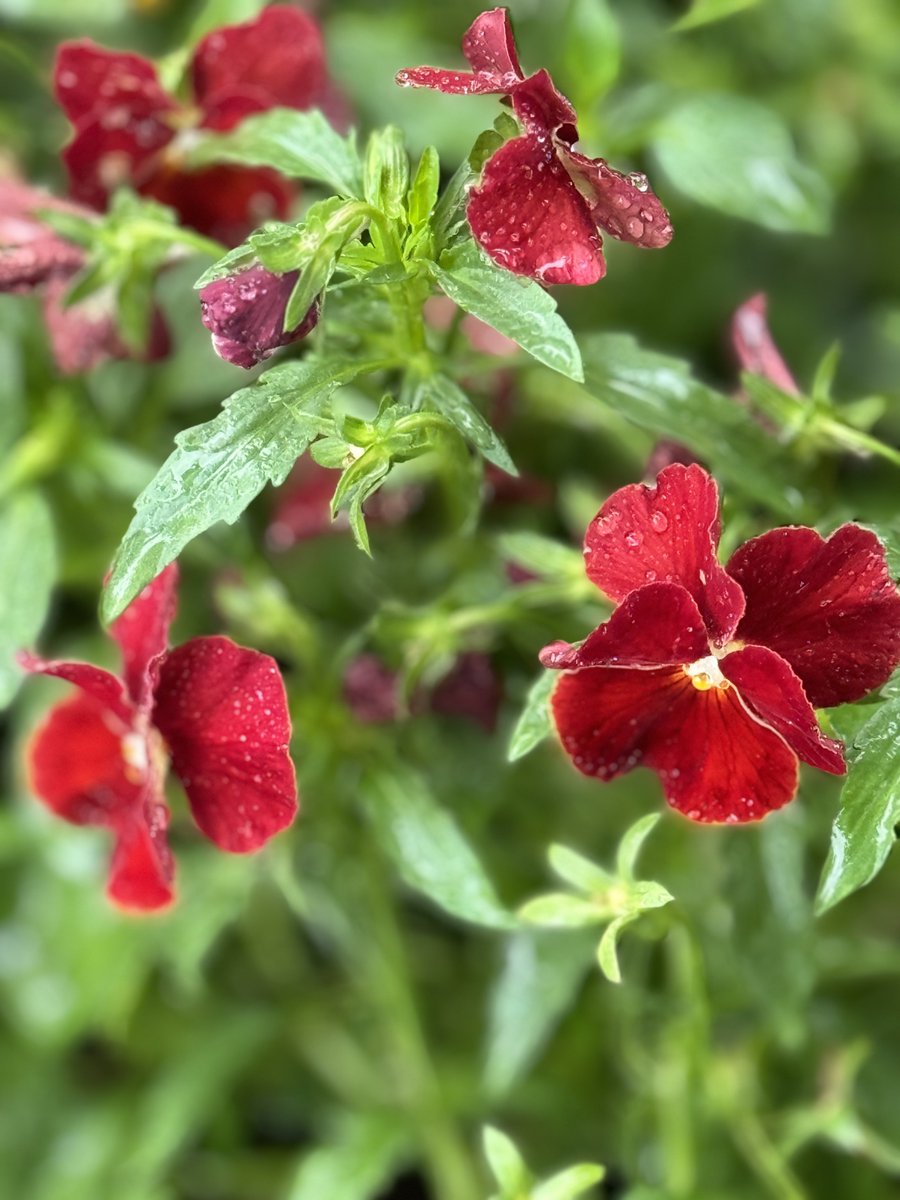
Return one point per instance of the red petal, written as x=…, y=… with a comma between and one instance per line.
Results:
x=544, y=111
x=490, y=48
x=222, y=710
x=370, y=690
x=102, y=685
x=529, y=217
x=772, y=692
x=85, y=335
x=87, y=78
x=715, y=762
x=245, y=315
x=658, y=625
x=119, y=146
x=622, y=205
x=76, y=765
x=303, y=506
x=142, y=632
x=278, y=56
x=668, y=531
x=753, y=345
x=471, y=689
x=830, y=608
x=224, y=202
x=142, y=869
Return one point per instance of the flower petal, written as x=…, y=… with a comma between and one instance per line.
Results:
x=753, y=345
x=773, y=693
x=830, y=608
x=715, y=762
x=529, y=217
x=622, y=205
x=114, y=148
x=223, y=202
x=142, y=632
x=102, y=685
x=222, y=710
x=279, y=55
x=87, y=79
x=490, y=47
x=142, y=867
x=245, y=315
x=76, y=765
x=543, y=110
x=658, y=625
x=668, y=531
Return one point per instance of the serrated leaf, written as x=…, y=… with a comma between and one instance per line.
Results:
x=535, y=721
x=735, y=155
x=568, y=1184
x=505, y=1161
x=607, y=951
x=863, y=833
x=430, y=851
x=704, y=12
x=357, y=1163
x=217, y=468
x=631, y=843
x=518, y=308
x=562, y=910
x=27, y=568
x=542, y=973
x=443, y=395
x=579, y=871
x=658, y=393
x=300, y=145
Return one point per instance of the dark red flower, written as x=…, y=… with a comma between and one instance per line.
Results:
x=216, y=710
x=539, y=203
x=245, y=315
x=754, y=348
x=371, y=690
x=471, y=689
x=35, y=258
x=129, y=130
x=710, y=675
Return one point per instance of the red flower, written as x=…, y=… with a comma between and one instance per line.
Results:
x=539, y=203
x=34, y=258
x=216, y=710
x=245, y=315
x=754, y=348
x=129, y=130
x=710, y=675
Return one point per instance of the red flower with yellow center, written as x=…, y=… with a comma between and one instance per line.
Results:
x=216, y=710
x=710, y=675
x=129, y=130
x=539, y=203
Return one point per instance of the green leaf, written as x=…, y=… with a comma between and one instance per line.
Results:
x=863, y=833
x=592, y=51
x=357, y=1163
x=28, y=568
x=561, y=910
x=607, y=951
x=301, y=145
x=704, y=12
x=423, y=192
x=542, y=555
x=659, y=394
x=631, y=843
x=430, y=851
x=386, y=172
x=541, y=976
x=579, y=871
x=736, y=155
x=444, y=396
x=357, y=483
x=505, y=1161
x=217, y=469
x=568, y=1184
x=518, y=308
x=535, y=721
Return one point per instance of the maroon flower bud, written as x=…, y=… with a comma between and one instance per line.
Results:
x=245, y=315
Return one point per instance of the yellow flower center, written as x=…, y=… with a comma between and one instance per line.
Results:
x=705, y=674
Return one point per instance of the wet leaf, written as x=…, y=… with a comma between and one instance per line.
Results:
x=442, y=394
x=535, y=722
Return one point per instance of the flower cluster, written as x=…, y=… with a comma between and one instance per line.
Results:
x=539, y=203
x=710, y=675
x=216, y=710
x=127, y=129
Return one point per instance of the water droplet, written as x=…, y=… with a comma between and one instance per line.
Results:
x=639, y=180
x=633, y=538
x=650, y=576
x=659, y=521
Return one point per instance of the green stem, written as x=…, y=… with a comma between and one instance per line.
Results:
x=855, y=439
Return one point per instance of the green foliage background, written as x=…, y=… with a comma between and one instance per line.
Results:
x=336, y=1017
